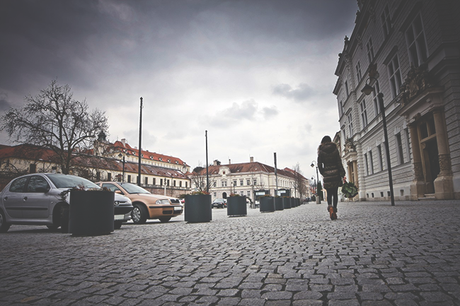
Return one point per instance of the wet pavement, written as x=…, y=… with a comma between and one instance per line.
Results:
x=374, y=254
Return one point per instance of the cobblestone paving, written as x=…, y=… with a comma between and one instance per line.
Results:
x=374, y=254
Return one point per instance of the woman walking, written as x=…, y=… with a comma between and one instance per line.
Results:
x=331, y=168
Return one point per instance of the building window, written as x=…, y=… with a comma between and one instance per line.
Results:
x=109, y=176
x=224, y=183
x=346, y=89
x=241, y=182
x=242, y=193
x=340, y=109
x=180, y=183
x=415, y=38
x=129, y=178
x=161, y=182
x=380, y=158
x=370, y=51
x=146, y=181
x=366, y=165
x=248, y=194
x=375, y=93
x=234, y=182
x=350, y=125
x=186, y=184
x=358, y=71
x=363, y=113
x=408, y=143
x=174, y=183
x=399, y=148
x=154, y=181
x=248, y=182
x=32, y=168
x=371, y=162
x=386, y=21
x=395, y=76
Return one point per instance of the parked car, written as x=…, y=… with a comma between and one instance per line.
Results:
x=219, y=203
x=36, y=199
x=145, y=204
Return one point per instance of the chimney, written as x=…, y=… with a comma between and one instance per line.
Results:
x=229, y=161
x=123, y=141
x=251, y=159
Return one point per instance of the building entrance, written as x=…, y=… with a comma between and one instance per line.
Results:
x=431, y=168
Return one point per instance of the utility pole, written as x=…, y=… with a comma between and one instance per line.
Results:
x=140, y=147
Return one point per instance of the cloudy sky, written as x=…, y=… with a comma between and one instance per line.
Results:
x=257, y=75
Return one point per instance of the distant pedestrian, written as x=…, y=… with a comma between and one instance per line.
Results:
x=331, y=168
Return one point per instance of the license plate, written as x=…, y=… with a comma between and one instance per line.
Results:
x=119, y=217
x=177, y=208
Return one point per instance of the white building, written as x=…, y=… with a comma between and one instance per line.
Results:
x=409, y=51
x=248, y=179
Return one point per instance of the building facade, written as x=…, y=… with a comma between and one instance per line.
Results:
x=409, y=51
x=250, y=179
x=95, y=166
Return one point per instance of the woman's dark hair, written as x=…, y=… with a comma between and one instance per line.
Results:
x=326, y=139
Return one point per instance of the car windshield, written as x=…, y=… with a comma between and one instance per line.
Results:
x=131, y=188
x=70, y=181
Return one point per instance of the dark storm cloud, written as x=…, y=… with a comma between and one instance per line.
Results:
x=43, y=38
x=78, y=41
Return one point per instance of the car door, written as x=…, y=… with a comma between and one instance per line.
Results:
x=37, y=202
x=13, y=198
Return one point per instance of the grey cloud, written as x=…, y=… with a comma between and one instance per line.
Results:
x=4, y=105
x=269, y=112
x=235, y=113
x=299, y=94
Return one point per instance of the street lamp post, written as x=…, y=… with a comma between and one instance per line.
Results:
x=314, y=184
x=367, y=90
x=123, y=177
x=318, y=199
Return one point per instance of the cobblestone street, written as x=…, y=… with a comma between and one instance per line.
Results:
x=374, y=254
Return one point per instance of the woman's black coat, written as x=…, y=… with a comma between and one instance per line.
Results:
x=330, y=165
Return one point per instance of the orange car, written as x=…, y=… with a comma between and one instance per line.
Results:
x=145, y=204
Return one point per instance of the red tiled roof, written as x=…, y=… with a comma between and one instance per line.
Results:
x=27, y=151
x=248, y=167
x=126, y=148
x=32, y=152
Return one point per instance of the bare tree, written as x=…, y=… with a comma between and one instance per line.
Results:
x=54, y=120
x=300, y=181
x=198, y=178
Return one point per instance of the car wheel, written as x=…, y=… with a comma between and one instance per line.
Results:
x=64, y=219
x=165, y=219
x=139, y=214
x=4, y=227
x=117, y=224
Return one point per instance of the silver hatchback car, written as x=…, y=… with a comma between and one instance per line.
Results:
x=36, y=199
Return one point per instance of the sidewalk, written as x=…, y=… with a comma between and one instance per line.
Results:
x=374, y=254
